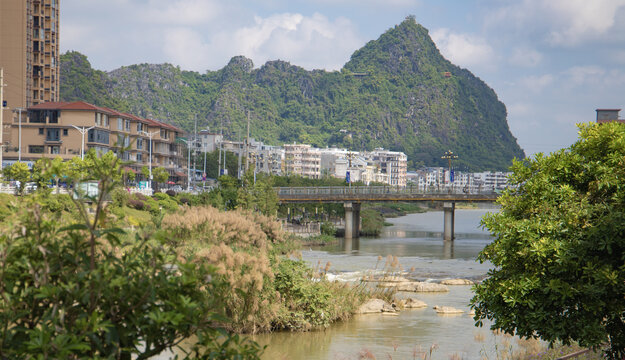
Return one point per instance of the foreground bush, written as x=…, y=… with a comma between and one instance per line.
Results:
x=259, y=290
x=76, y=290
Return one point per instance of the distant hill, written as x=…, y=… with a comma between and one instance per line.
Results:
x=397, y=92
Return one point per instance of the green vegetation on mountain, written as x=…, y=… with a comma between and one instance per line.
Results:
x=397, y=92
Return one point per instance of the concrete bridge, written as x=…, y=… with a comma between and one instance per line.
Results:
x=353, y=196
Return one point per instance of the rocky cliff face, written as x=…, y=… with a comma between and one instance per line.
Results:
x=397, y=92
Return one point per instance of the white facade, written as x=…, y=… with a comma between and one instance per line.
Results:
x=392, y=163
x=303, y=160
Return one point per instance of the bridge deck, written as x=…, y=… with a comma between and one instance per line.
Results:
x=378, y=194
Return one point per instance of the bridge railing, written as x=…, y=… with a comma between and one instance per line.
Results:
x=380, y=190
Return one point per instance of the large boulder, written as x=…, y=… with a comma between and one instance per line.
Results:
x=415, y=286
x=457, y=282
x=447, y=310
x=412, y=303
x=375, y=306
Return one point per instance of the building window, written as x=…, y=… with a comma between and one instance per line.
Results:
x=98, y=136
x=119, y=124
x=53, y=134
x=35, y=149
x=40, y=131
x=139, y=144
x=37, y=116
x=139, y=157
x=64, y=132
x=139, y=127
x=55, y=149
x=53, y=116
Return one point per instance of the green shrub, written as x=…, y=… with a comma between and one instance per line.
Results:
x=160, y=196
x=120, y=197
x=328, y=228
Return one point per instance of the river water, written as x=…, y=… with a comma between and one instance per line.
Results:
x=416, y=240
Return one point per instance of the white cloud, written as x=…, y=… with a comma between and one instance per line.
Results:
x=558, y=22
x=580, y=75
x=464, y=49
x=378, y=3
x=582, y=19
x=525, y=57
x=537, y=83
x=307, y=41
x=180, y=12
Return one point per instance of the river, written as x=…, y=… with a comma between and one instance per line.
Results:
x=416, y=240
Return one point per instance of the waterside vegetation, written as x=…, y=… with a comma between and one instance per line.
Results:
x=120, y=276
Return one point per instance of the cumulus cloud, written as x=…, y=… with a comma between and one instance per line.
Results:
x=379, y=3
x=537, y=83
x=558, y=22
x=525, y=57
x=582, y=19
x=464, y=49
x=180, y=12
x=308, y=41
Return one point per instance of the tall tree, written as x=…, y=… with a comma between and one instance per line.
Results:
x=559, y=250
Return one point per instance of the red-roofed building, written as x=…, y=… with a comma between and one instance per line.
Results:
x=48, y=131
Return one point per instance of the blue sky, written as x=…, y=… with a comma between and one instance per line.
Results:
x=552, y=62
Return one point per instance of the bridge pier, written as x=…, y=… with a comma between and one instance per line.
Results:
x=352, y=220
x=448, y=227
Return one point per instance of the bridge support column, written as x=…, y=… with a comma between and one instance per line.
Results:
x=352, y=220
x=449, y=212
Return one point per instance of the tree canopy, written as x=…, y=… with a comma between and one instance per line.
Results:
x=559, y=250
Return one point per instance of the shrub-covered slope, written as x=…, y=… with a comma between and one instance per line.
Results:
x=396, y=92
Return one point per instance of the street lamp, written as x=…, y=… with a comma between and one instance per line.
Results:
x=189, y=144
x=449, y=155
x=19, y=136
x=83, y=131
x=150, y=135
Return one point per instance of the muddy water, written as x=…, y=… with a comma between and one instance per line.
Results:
x=416, y=240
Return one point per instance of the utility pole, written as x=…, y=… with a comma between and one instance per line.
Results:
x=247, y=144
x=239, y=162
x=1, y=116
x=195, y=149
x=19, y=134
x=189, y=166
x=221, y=139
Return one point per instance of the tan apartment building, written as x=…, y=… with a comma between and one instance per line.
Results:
x=53, y=129
x=303, y=160
x=29, y=53
x=394, y=164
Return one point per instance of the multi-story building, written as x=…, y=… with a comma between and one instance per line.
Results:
x=29, y=52
x=303, y=160
x=392, y=163
x=54, y=129
x=208, y=141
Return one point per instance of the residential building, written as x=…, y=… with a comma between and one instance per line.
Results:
x=29, y=53
x=608, y=115
x=50, y=130
x=392, y=163
x=303, y=160
x=208, y=141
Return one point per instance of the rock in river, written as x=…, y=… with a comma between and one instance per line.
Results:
x=375, y=306
x=447, y=310
x=457, y=282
